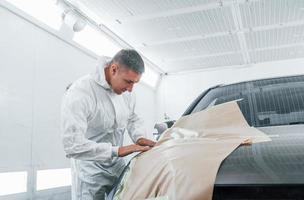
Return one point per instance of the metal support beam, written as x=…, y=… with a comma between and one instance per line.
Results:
x=236, y=14
x=201, y=56
x=278, y=47
x=189, y=38
x=234, y=52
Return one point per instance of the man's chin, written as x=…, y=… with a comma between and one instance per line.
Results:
x=118, y=92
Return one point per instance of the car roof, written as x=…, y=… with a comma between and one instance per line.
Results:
x=278, y=77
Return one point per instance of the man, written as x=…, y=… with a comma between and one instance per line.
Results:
x=96, y=111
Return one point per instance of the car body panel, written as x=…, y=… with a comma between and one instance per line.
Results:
x=280, y=161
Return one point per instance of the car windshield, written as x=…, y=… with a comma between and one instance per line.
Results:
x=269, y=102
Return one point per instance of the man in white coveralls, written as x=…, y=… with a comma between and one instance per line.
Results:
x=96, y=112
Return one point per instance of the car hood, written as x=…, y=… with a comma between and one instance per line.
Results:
x=280, y=161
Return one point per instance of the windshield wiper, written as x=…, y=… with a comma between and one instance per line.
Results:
x=299, y=122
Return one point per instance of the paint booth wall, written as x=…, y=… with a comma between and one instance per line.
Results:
x=35, y=68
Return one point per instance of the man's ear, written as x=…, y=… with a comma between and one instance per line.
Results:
x=114, y=69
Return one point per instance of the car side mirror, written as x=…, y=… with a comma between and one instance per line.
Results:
x=161, y=127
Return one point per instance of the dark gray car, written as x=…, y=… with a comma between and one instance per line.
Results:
x=272, y=170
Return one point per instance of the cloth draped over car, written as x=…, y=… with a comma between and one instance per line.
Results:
x=185, y=161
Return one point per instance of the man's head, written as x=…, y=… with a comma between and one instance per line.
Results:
x=124, y=70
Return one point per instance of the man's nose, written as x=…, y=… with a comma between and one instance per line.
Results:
x=130, y=88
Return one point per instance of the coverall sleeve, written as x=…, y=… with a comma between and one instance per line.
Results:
x=136, y=129
x=75, y=112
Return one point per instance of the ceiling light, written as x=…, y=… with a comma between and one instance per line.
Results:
x=94, y=40
x=45, y=11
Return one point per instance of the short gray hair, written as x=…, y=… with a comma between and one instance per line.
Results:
x=130, y=59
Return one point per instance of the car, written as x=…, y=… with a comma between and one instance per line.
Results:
x=273, y=170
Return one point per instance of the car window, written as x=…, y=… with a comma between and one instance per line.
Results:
x=224, y=94
x=270, y=102
x=279, y=104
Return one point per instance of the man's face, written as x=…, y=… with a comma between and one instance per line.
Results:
x=123, y=79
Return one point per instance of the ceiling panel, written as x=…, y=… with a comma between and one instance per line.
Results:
x=177, y=26
x=142, y=7
x=178, y=50
x=277, y=54
x=206, y=62
x=268, y=12
x=275, y=37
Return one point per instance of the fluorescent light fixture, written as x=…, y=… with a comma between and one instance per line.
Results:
x=95, y=41
x=13, y=182
x=150, y=77
x=53, y=178
x=45, y=11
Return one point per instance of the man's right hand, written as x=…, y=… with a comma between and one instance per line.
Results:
x=126, y=150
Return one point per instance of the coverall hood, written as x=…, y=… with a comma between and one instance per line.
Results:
x=99, y=74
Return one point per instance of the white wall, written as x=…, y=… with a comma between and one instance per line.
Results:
x=35, y=68
x=178, y=91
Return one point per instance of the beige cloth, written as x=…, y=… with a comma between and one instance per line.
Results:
x=184, y=163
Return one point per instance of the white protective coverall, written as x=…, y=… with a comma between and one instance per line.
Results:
x=94, y=120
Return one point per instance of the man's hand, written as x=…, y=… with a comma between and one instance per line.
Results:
x=126, y=150
x=145, y=142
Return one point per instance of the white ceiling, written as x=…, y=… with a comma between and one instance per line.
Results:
x=182, y=35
